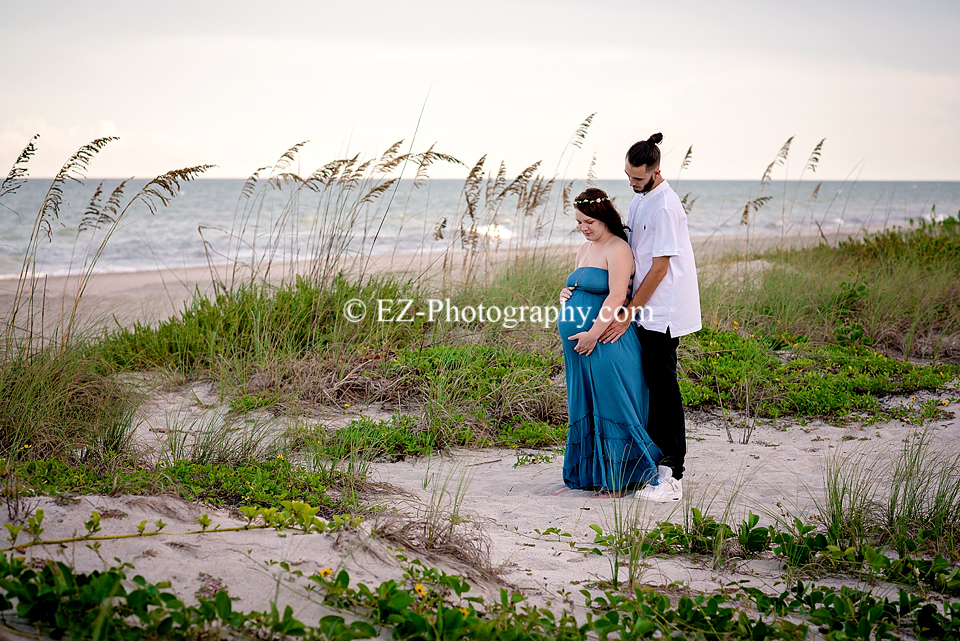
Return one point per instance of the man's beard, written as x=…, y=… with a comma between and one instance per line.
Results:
x=646, y=187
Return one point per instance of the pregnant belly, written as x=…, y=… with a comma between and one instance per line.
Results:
x=578, y=313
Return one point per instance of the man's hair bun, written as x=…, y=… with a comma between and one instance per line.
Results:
x=645, y=153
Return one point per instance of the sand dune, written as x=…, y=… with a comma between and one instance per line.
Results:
x=779, y=473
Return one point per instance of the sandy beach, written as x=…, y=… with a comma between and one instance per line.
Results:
x=778, y=474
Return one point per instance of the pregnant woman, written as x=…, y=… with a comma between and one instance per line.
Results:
x=607, y=445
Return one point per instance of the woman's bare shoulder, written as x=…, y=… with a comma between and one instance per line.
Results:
x=619, y=255
x=618, y=247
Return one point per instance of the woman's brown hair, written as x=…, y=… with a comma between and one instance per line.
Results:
x=596, y=204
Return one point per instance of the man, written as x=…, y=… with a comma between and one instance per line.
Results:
x=667, y=275
x=665, y=286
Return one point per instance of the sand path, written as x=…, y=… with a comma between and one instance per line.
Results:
x=501, y=502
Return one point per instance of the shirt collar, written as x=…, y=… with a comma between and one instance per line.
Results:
x=663, y=185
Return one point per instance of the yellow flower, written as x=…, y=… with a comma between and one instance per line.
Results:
x=944, y=402
x=280, y=457
x=422, y=591
x=346, y=404
x=464, y=611
x=326, y=573
x=913, y=398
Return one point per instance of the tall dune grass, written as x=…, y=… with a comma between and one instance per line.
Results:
x=896, y=498
x=249, y=322
x=278, y=314
x=58, y=400
x=897, y=290
x=349, y=198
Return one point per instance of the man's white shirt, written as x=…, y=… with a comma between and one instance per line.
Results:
x=658, y=227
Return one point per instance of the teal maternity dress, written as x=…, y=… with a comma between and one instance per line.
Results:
x=607, y=444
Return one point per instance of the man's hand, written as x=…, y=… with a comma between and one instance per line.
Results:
x=565, y=294
x=614, y=331
x=585, y=343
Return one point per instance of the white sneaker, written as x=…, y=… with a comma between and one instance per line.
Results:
x=667, y=490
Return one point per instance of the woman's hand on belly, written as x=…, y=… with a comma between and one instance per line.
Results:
x=585, y=343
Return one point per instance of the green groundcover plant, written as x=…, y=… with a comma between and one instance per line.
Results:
x=429, y=604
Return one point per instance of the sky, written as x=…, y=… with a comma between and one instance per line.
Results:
x=236, y=83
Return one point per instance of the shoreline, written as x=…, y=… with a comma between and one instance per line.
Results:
x=113, y=299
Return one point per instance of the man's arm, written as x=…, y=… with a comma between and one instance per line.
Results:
x=647, y=286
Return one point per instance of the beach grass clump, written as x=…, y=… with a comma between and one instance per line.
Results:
x=213, y=437
x=257, y=324
x=471, y=392
x=907, y=501
x=437, y=527
x=375, y=438
x=895, y=290
x=851, y=506
x=57, y=399
x=60, y=403
x=923, y=497
x=929, y=242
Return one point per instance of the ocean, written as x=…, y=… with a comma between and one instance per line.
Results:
x=209, y=218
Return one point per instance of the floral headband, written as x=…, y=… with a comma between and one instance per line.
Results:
x=587, y=201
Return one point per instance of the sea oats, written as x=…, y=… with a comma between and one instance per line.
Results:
x=91, y=214
x=250, y=183
x=72, y=170
x=591, y=171
x=779, y=160
x=388, y=160
x=287, y=157
x=580, y=134
x=814, y=158
x=753, y=205
x=18, y=172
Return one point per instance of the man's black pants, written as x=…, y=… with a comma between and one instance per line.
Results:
x=665, y=423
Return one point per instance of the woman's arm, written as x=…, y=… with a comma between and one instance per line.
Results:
x=566, y=292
